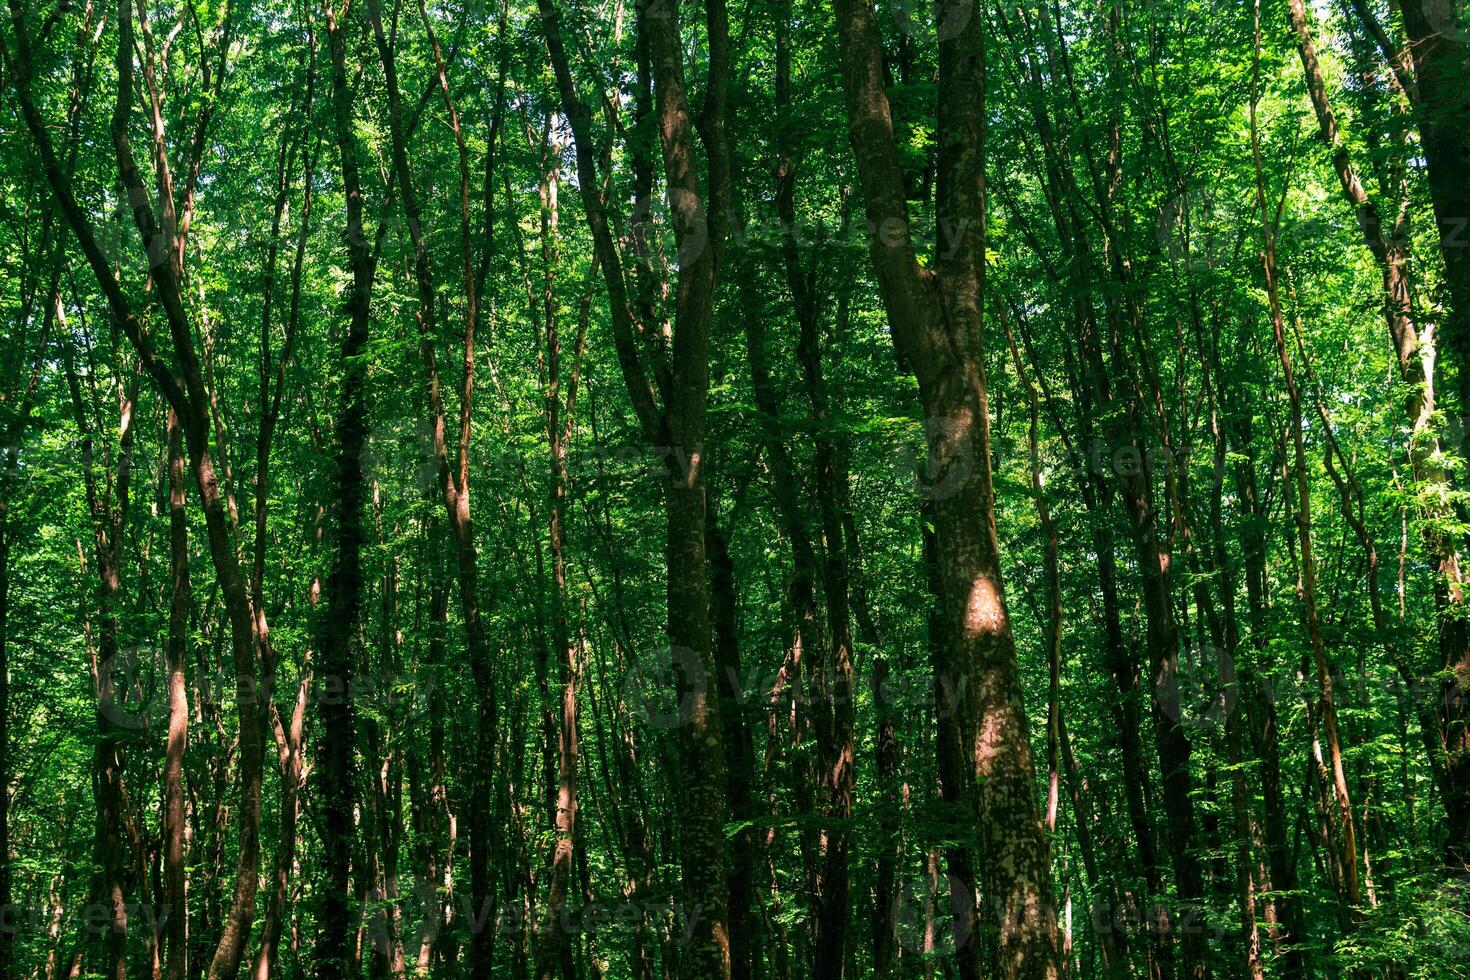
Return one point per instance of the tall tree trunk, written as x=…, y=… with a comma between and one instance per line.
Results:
x=739, y=753
x=833, y=671
x=1051, y=570
x=454, y=479
x=289, y=734
x=182, y=385
x=936, y=319
x=1227, y=640
x=1307, y=586
x=336, y=744
x=14, y=437
x=9, y=928
x=176, y=910
x=108, y=510
x=699, y=212
x=626, y=794
x=553, y=953
x=1441, y=59
x=1099, y=489
x=1415, y=355
x=677, y=428
x=1259, y=703
x=809, y=711
x=428, y=774
x=886, y=755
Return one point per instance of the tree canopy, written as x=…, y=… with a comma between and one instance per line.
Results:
x=734, y=490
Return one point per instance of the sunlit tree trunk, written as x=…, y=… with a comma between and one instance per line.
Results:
x=936, y=318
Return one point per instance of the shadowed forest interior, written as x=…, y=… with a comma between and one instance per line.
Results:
x=734, y=489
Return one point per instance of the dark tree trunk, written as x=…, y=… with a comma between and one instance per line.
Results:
x=336, y=761
x=886, y=756
x=739, y=753
x=8, y=928
x=1441, y=58
x=698, y=216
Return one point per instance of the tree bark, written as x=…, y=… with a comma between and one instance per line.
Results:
x=1438, y=106
x=739, y=754
x=336, y=761
x=833, y=671
x=676, y=430
x=108, y=509
x=454, y=479
x=1307, y=584
x=176, y=910
x=553, y=953
x=936, y=319
x=1441, y=57
x=14, y=439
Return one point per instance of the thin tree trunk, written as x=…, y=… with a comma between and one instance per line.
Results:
x=176, y=911
x=676, y=430
x=108, y=507
x=1434, y=51
x=454, y=478
x=1303, y=517
x=552, y=951
x=833, y=670
x=1436, y=31
x=15, y=434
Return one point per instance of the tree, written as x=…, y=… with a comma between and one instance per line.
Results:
x=691, y=492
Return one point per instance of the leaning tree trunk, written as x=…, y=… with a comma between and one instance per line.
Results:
x=181, y=382
x=1443, y=116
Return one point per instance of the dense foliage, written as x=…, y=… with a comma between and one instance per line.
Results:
x=734, y=489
